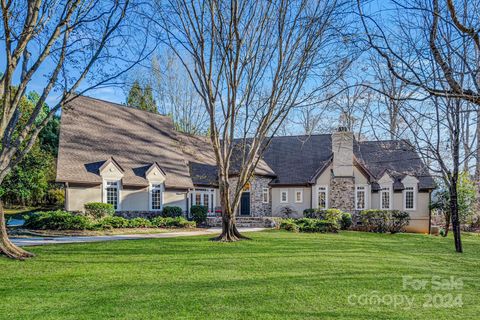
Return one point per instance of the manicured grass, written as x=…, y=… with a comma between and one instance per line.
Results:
x=277, y=275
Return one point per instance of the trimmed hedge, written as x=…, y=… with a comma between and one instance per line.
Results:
x=98, y=210
x=199, y=214
x=382, y=221
x=62, y=220
x=57, y=220
x=334, y=216
x=309, y=225
x=172, y=211
x=139, y=223
x=289, y=225
x=346, y=221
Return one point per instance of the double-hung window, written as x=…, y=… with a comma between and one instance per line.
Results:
x=385, y=198
x=156, y=197
x=284, y=196
x=111, y=193
x=265, y=195
x=409, y=198
x=298, y=196
x=322, y=196
x=360, y=197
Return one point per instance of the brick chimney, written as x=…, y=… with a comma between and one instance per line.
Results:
x=342, y=148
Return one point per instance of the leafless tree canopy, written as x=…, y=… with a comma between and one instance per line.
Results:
x=176, y=95
x=250, y=61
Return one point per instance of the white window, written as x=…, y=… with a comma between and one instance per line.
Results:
x=322, y=196
x=385, y=198
x=298, y=196
x=156, y=202
x=284, y=196
x=265, y=195
x=203, y=197
x=360, y=197
x=111, y=193
x=409, y=198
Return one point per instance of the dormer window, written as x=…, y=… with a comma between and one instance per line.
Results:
x=111, y=191
x=156, y=202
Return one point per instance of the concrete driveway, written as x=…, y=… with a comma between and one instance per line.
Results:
x=39, y=241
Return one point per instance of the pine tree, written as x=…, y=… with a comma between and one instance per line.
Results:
x=142, y=98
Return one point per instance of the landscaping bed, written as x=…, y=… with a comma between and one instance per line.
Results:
x=100, y=219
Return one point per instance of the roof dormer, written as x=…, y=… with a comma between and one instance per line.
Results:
x=111, y=169
x=155, y=174
x=386, y=179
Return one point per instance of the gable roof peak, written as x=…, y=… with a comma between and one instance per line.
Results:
x=111, y=160
x=153, y=166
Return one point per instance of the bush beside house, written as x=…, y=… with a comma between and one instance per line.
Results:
x=199, y=214
x=97, y=210
x=382, y=221
x=172, y=211
x=62, y=220
x=333, y=220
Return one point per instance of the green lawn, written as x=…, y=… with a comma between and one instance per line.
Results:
x=277, y=275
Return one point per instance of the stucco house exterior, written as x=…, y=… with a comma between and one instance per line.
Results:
x=136, y=161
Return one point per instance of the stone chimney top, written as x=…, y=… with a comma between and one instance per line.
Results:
x=342, y=149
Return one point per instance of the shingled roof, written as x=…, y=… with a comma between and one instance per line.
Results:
x=93, y=131
x=201, y=158
x=297, y=160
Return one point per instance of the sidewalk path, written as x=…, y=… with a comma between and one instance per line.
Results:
x=39, y=241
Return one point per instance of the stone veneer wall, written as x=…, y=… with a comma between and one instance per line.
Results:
x=257, y=207
x=342, y=193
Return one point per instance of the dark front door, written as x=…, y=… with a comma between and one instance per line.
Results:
x=245, y=204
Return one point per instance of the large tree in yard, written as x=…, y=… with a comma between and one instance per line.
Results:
x=55, y=45
x=252, y=62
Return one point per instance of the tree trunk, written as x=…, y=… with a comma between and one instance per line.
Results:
x=477, y=160
x=230, y=232
x=447, y=224
x=6, y=246
x=455, y=218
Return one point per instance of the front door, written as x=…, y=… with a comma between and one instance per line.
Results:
x=245, y=204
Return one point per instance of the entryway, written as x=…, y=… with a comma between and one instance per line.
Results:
x=245, y=203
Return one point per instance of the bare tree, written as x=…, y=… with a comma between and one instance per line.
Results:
x=69, y=39
x=250, y=62
x=394, y=94
x=176, y=95
x=433, y=49
x=352, y=103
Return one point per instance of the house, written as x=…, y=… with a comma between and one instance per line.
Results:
x=136, y=161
